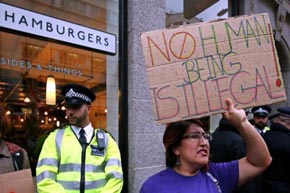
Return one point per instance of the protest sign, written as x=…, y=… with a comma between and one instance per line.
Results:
x=193, y=68
x=17, y=182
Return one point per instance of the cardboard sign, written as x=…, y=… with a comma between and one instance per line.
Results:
x=17, y=182
x=192, y=69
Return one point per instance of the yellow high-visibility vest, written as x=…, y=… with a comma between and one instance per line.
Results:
x=63, y=163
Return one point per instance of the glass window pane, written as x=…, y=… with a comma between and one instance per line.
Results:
x=27, y=61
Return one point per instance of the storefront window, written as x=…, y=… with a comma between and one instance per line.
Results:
x=28, y=59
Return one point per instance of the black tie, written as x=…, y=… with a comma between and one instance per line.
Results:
x=83, y=139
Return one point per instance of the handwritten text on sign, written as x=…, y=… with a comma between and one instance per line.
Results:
x=193, y=69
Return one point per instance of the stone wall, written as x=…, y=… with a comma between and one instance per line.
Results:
x=282, y=45
x=145, y=136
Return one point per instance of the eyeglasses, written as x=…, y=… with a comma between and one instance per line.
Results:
x=198, y=135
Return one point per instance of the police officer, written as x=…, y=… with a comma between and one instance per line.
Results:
x=260, y=118
x=77, y=157
x=276, y=178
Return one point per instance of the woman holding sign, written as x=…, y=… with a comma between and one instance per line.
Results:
x=187, y=155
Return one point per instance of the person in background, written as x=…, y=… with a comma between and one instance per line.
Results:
x=39, y=143
x=77, y=157
x=276, y=179
x=226, y=137
x=187, y=155
x=261, y=118
x=273, y=117
x=32, y=129
x=12, y=156
x=228, y=145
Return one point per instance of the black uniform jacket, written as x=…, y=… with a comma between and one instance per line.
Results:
x=276, y=178
x=228, y=145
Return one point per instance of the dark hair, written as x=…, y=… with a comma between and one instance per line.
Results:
x=4, y=122
x=173, y=135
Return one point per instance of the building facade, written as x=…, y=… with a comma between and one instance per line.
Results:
x=46, y=44
x=146, y=152
x=98, y=44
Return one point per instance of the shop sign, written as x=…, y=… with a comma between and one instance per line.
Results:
x=21, y=20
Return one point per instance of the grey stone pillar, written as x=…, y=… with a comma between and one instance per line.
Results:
x=146, y=152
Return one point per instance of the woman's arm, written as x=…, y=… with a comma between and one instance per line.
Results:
x=258, y=157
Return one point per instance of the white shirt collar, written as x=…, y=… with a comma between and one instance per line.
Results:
x=88, y=129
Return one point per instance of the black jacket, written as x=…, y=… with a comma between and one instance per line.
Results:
x=276, y=178
x=228, y=145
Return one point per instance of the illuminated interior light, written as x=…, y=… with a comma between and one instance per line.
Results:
x=50, y=91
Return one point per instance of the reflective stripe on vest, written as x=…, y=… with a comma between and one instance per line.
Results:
x=73, y=185
x=77, y=168
x=68, y=174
